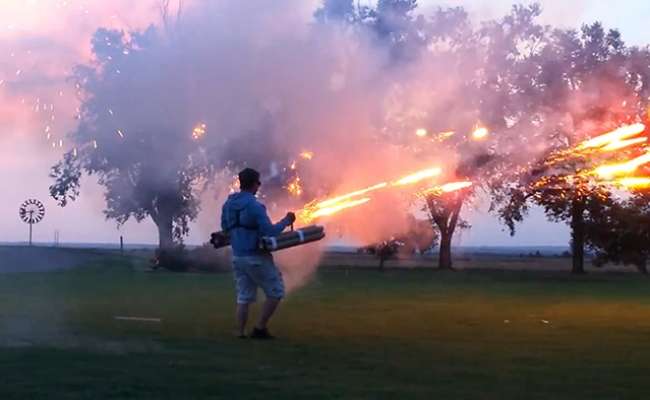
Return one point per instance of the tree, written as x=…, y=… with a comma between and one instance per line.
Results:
x=473, y=121
x=337, y=11
x=576, y=87
x=575, y=199
x=444, y=210
x=620, y=233
x=148, y=155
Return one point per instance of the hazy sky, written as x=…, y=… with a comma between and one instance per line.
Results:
x=41, y=41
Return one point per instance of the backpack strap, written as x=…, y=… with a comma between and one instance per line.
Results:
x=238, y=223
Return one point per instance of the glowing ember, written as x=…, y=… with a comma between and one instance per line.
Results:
x=199, y=131
x=294, y=187
x=480, y=133
x=418, y=176
x=421, y=132
x=307, y=155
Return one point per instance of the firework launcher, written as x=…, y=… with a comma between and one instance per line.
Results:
x=298, y=237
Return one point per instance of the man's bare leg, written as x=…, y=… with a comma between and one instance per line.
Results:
x=270, y=305
x=242, y=318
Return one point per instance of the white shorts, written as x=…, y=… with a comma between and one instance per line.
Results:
x=252, y=272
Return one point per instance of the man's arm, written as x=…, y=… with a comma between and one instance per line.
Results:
x=266, y=227
x=224, y=223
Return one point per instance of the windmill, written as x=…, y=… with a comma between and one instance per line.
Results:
x=31, y=212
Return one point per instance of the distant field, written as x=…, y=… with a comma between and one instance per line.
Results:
x=350, y=333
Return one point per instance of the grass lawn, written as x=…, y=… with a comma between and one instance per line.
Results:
x=356, y=334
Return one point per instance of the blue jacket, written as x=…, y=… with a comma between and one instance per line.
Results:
x=253, y=223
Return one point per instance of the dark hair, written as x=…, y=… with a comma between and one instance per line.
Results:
x=248, y=177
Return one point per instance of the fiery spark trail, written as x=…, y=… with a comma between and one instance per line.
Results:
x=455, y=186
x=345, y=197
x=633, y=182
x=331, y=206
x=622, y=133
x=611, y=170
x=446, y=188
x=617, y=139
x=417, y=177
x=618, y=145
x=308, y=215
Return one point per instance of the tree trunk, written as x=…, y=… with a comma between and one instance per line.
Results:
x=165, y=227
x=444, y=256
x=578, y=238
x=446, y=218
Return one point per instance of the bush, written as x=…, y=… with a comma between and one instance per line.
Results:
x=204, y=258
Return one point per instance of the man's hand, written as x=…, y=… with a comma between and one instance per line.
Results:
x=291, y=217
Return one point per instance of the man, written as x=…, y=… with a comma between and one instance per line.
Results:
x=245, y=220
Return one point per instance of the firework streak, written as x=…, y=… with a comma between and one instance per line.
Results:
x=626, y=150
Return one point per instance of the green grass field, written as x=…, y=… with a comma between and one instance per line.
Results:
x=348, y=334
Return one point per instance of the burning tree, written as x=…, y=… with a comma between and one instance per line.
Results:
x=578, y=85
x=471, y=128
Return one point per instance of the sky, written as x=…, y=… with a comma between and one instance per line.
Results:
x=42, y=40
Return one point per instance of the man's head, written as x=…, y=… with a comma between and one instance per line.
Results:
x=249, y=180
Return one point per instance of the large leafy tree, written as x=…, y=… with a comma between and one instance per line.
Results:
x=148, y=154
x=483, y=63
